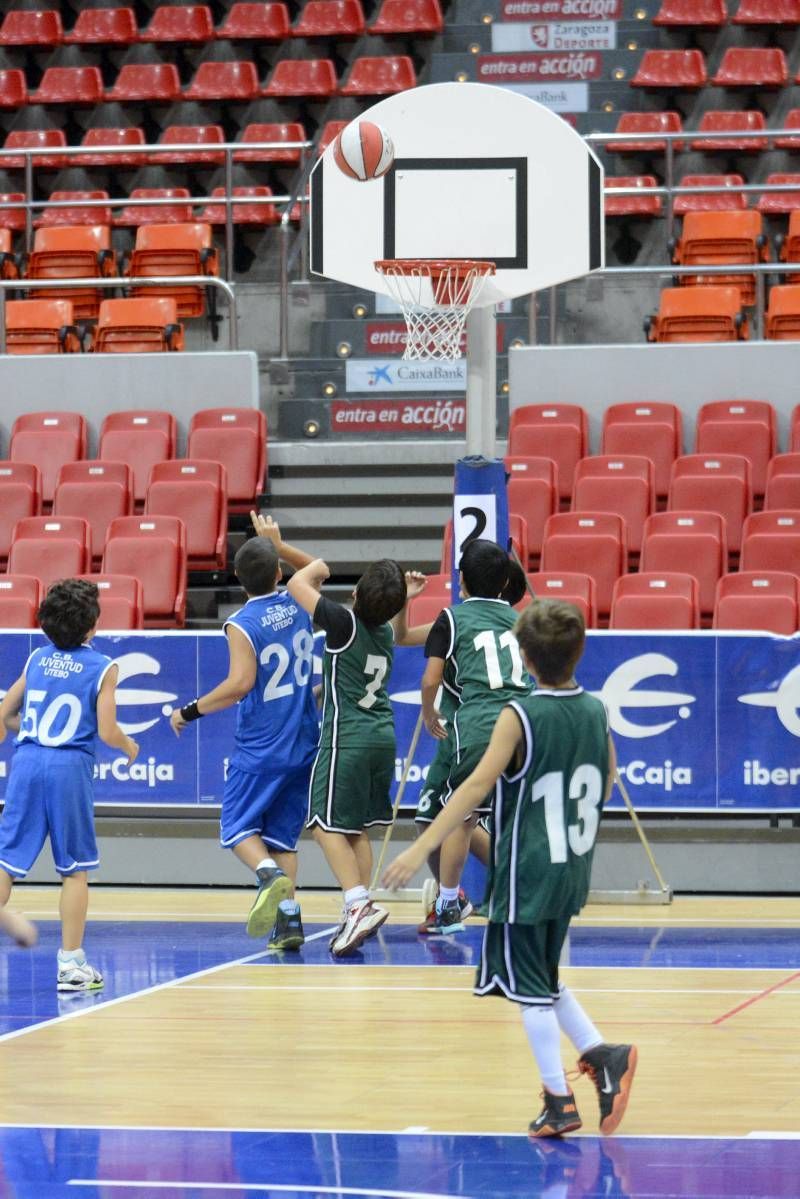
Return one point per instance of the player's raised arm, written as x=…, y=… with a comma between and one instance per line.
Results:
x=238, y=683
x=305, y=585
x=108, y=729
x=265, y=526
x=431, y=682
x=416, y=582
x=10, y=708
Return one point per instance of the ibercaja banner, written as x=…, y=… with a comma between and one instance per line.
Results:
x=703, y=722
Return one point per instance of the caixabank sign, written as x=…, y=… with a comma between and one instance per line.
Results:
x=702, y=722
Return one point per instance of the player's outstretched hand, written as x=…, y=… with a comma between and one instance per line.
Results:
x=319, y=571
x=18, y=928
x=404, y=867
x=435, y=726
x=177, y=723
x=265, y=526
x=416, y=582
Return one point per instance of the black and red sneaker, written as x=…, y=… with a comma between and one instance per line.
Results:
x=611, y=1069
x=559, y=1115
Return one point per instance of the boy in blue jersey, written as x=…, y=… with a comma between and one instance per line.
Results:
x=63, y=699
x=270, y=644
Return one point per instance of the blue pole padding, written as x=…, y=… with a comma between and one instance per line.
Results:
x=480, y=507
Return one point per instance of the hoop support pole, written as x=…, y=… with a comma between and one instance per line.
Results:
x=412, y=749
x=637, y=824
x=481, y=382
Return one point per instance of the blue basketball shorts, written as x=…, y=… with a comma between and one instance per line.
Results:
x=49, y=794
x=271, y=805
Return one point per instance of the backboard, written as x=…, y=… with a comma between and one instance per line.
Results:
x=479, y=172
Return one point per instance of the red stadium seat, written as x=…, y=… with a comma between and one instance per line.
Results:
x=236, y=437
x=156, y=214
x=121, y=602
x=593, y=543
x=330, y=18
x=104, y=27
x=12, y=218
x=794, y=429
x=731, y=121
x=196, y=491
x=790, y=121
x=713, y=483
x=9, y=266
x=157, y=82
x=771, y=540
x=74, y=212
x=144, y=325
x=35, y=139
x=744, y=67
x=41, y=327
x=224, y=81
x=13, y=89
x=699, y=314
x=329, y=134
x=20, y=596
x=423, y=609
x=31, y=28
x=690, y=542
x=302, y=77
x=97, y=490
x=672, y=70
x=746, y=427
x=649, y=123
x=718, y=238
x=692, y=14
x=533, y=495
x=128, y=137
x=264, y=22
x=380, y=76
x=622, y=484
x=645, y=205
x=780, y=203
x=652, y=429
x=571, y=588
x=49, y=439
x=519, y=541
x=768, y=12
x=175, y=250
x=243, y=214
x=172, y=23
x=139, y=437
x=783, y=483
x=655, y=601
x=716, y=201
x=557, y=431
x=20, y=496
x=50, y=548
x=69, y=85
x=291, y=131
x=398, y=17
x=196, y=135
x=153, y=550
x=73, y=252
x=766, y=601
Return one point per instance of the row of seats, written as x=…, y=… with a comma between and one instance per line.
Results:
x=647, y=205
x=686, y=70
x=747, y=600
x=120, y=596
x=714, y=14
x=133, y=326
x=238, y=81
x=139, y=438
x=194, y=25
x=253, y=207
x=714, y=313
x=644, y=128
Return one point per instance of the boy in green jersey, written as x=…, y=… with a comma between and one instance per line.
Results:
x=554, y=753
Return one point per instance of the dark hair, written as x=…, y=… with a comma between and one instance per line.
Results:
x=256, y=565
x=516, y=587
x=69, y=612
x=380, y=593
x=484, y=568
x=551, y=635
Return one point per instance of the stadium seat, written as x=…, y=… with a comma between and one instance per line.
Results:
x=41, y=327
x=789, y=246
x=672, y=71
x=698, y=314
x=694, y=543
x=196, y=491
x=131, y=136
x=379, y=76
x=104, y=27
x=291, y=131
x=49, y=548
x=518, y=531
x=224, y=81
x=35, y=139
x=121, y=603
x=731, y=121
x=655, y=601
x=622, y=484
x=746, y=427
x=153, y=550
x=96, y=490
x=243, y=214
x=20, y=596
x=780, y=203
x=49, y=439
x=691, y=14
x=69, y=85
x=144, y=325
x=262, y=22
x=719, y=238
x=175, y=250
x=330, y=132
x=533, y=495
x=156, y=214
x=196, y=135
x=557, y=431
x=20, y=495
x=716, y=201
x=749, y=67
x=156, y=82
x=9, y=264
x=330, y=18
x=647, y=122
x=713, y=483
x=766, y=601
x=771, y=540
x=171, y=23
x=783, y=483
x=140, y=438
x=794, y=429
x=768, y=12
x=31, y=28
x=236, y=437
x=13, y=89
x=302, y=77
x=398, y=17
x=790, y=121
x=73, y=210
x=652, y=429
x=631, y=206
x=423, y=609
x=12, y=218
x=570, y=587
x=593, y=543
x=73, y=252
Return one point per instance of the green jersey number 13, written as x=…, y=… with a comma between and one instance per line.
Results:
x=586, y=786
x=491, y=645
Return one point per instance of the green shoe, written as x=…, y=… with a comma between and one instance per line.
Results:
x=273, y=886
x=288, y=930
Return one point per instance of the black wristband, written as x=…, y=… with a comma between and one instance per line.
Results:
x=191, y=712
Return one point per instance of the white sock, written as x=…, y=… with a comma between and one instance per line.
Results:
x=355, y=895
x=573, y=1021
x=71, y=957
x=448, y=894
x=267, y=864
x=544, y=1038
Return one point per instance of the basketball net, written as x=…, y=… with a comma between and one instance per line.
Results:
x=435, y=297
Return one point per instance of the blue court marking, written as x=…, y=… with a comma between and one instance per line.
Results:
x=94, y=1163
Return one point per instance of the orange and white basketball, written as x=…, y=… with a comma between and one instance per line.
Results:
x=363, y=151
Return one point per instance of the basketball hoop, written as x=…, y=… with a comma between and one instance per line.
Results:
x=435, y=296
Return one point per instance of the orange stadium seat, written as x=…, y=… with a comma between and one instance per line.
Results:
x=692, y=542
x=158, y=82
x=128, y=137
x=196, y=491
x=768, y=12
x=771, y=540
x=649, y=428
x=713, y=483
x=175, y=250
x=12, y=218
x=780, y=203
x=13, y=89
x=330, y=18
x=20, y=495
x=571, y=587
x=236, y=437
x=699, y=314
x=699, y=14
x=287, y=131
x=731, y=121
x=140, y=438
x=9, y=266
x=759, y=600
x=104, y=27
x=622, y=484
x=144, y=325
x=153, y=550
x=73, y=252
x=31, y=28
x=783, y=483
x=41, y=327
x=243, y=213
x=173, y=23
x=49, y=548
x=645, y=205
x=35, y=139
x=264, y=22
x=156, y=214
x=224, y=81
x=302, y=77
x=398, y=17
x=672, y=70
x=49, y=439
x=97, y=490
x=749, y=66
x=518, y=531
x=746, y=427
x=718, y=238
x=533, y=495
x=74, y=211
x=716, y=201
x=20, y=596
x=655, y=601
x=121, y=603
x=790, y=245
x=557, y=431
x=649, y=123
x=69, y=85
x=593, y=543
x=195, y=135
x=382, y=76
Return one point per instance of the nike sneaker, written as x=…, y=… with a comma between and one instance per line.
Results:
x=79, y=977
x=362, y=921
x=559, y=1115
x=611, y=1068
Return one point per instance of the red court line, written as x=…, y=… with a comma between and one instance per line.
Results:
x=755, y=998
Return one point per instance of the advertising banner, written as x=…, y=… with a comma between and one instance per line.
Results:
x=365, y=374
x=539, y=68
x=391, y=417
x=388, y=338
x=555, y=35
x=561, y=10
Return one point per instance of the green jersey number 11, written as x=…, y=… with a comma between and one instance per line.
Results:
x=585, y=786
x=491, y=645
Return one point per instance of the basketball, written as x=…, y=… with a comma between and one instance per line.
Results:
x=363, y=151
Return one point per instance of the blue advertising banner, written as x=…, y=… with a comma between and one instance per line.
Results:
x=703, y=722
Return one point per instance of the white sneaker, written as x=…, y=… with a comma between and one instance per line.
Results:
x=362, y=921
x=82, y=977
